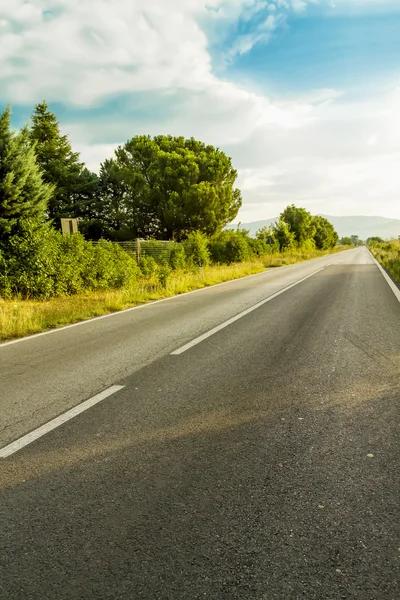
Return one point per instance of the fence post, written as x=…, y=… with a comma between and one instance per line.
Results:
x=138, y=250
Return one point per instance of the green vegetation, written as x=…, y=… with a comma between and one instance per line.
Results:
x=352, y=240
x=388, y=254
x=20, y=317
x=60, y=166
x=177, y=193
x=165, y=187
x=374, y=240
x=38, y=262
x=23, y=193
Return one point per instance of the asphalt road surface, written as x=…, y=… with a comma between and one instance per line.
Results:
x=251, y=450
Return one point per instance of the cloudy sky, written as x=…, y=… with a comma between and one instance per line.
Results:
x=304, y=95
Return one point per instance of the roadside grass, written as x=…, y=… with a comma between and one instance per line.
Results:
x=388, y=254
x=19, y=318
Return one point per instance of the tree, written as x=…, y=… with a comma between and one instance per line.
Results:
x=374, y=240
x=355, y=240
x=345, y=241
x=300, y=222
x=60, y=165
x=23, y=193
x=196, y=249
x=231, y=246
x=325, y=236
x=267, y=236
x=283, y=235
x=88, y=206
x=126, y=211
x=264, y=233
x=169, y=186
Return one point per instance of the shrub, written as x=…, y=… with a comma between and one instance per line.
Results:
x=307, y=246
x=231, y=246
x=196, y=247
x=163, y=275
x=148, y=266
x=217, y=251
x=29, y=260
x=40, y=263
x=178, y=257
x=259, y=247
x=388, y=254
x=237, y=249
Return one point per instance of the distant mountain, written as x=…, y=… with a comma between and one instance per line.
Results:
x=364, y=227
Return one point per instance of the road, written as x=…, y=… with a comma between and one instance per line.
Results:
x=260, y=461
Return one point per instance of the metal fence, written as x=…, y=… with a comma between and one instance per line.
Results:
x=157, y=249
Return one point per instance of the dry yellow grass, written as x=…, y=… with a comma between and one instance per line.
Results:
x=388, y=255
x=19, y=318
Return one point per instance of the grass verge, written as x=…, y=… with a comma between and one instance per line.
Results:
x=388, y=255
x=19, y=318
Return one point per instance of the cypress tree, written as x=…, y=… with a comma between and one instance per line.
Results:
x=23, y=193
x=60, y=165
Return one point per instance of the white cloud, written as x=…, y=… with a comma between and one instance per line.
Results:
x=262, y=33
x=311, y=152
x=82, y=51
x=316, y=149
x=330, y=164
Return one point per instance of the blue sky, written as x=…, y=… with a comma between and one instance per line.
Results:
x=304, y=95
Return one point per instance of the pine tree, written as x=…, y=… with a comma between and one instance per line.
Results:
x=23, y=193
x=60, y=165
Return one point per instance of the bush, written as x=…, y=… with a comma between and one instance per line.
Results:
x=231, y=246
x=196, y=247
x=308, y=246
x=163, y=275
x=259, y=247
x=28, y=262
x=388, y=254
x=148, y=266
x=40, y=263
x=217, y=251
x=237, y=249
x=178, y=257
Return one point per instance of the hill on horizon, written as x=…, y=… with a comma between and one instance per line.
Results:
x=362, y=226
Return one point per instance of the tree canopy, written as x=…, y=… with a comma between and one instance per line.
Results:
x=300, y=223
x=168, y=186
x=325, y=235
x=60, y=165
x=297, y=227
x=23, y=193
x=374, y=240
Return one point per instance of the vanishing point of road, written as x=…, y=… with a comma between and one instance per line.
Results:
x=238, y=442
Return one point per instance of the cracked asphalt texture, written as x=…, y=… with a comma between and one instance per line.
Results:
x=262, y=463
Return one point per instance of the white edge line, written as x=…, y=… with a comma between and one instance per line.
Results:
x=147, y=304
x=391, y=283
x=206, y=335
x=54, y=423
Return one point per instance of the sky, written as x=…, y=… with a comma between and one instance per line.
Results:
x=303, y=95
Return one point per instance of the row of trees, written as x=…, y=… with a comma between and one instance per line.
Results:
x=163, y=187
x=160, y=188
x=297, y=228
